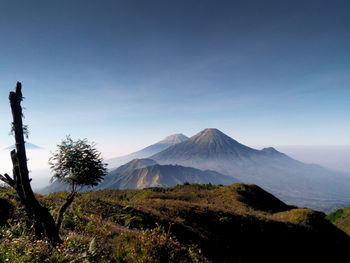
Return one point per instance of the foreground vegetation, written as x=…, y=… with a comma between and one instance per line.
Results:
x=341, y=218
x=185, y=223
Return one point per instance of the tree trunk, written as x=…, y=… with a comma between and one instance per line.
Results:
x=43, y=221
x=63, y=209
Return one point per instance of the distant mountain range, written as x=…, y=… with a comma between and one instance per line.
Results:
x=148, y=151
x=211, y=156
x=292, y=181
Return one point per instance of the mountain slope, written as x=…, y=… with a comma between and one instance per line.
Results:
x=133, y=165
x=292, y=181
x=148, y=151
x=143, y=173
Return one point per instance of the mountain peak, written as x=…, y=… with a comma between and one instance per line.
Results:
x=211, y=135
x=210, y=132
x=209, y=144
x=149, y=150
x=272, y=151
x=28, y=145
x=174, y=139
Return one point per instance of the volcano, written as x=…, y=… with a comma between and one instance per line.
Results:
x=292, y=181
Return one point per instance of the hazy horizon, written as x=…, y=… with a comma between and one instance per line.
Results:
x=335, y=157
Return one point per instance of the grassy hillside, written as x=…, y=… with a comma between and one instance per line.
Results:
x=185, y=223
x=341, y=218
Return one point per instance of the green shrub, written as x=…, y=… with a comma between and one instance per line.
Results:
x=335, y=215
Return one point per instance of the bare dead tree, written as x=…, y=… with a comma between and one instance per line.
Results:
x=43, y=221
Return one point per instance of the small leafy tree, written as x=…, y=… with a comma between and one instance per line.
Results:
x=78, y=164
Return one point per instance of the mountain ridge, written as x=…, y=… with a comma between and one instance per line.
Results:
x=131, y=176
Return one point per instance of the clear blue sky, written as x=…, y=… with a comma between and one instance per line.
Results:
x=128, y=73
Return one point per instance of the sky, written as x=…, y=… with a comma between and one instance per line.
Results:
x=126, y=74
